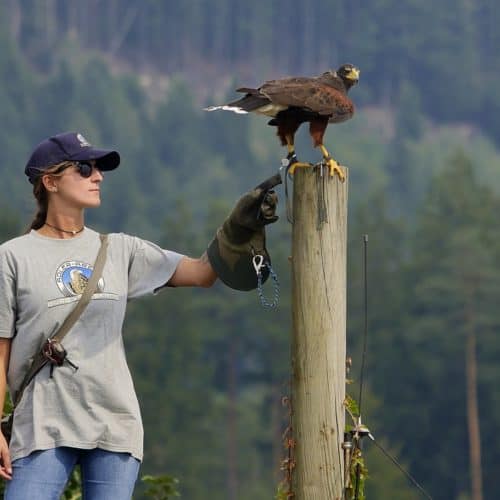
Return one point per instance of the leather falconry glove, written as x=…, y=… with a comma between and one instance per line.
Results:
x=242, y=235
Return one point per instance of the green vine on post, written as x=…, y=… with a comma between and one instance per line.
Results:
x=358, y=472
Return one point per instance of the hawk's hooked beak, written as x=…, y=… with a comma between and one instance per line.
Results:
x=353, y=74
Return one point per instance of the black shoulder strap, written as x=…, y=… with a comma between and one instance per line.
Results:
x=40, y=360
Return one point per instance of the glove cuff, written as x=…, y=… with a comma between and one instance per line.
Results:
x=233, y=262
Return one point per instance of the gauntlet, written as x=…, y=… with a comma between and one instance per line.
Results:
x=242, y=236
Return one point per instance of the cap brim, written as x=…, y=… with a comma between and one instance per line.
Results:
x=105, y=159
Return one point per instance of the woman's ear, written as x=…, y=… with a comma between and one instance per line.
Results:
x=49, y=183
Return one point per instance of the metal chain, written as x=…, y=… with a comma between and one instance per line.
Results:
x=259, y=264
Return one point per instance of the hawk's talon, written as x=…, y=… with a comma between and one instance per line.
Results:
x=335, y=168
x=297, y=164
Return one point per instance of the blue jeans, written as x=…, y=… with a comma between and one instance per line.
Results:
x=43, y=474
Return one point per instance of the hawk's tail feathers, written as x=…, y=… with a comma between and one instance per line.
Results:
x=248, y=90
x=250, y=102
x=226, y=107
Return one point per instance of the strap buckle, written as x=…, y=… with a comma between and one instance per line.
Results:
x=54, y=352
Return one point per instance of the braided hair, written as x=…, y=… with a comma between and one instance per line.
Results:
x=42, y=196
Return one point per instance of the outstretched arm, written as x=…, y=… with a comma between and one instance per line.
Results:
x=194, y=272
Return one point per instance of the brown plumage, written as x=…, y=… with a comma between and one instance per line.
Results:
x=292, y=101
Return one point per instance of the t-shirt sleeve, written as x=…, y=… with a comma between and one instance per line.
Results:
x=150, y=267
x=7, y=296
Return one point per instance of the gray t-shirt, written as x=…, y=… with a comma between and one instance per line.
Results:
x=41, y=280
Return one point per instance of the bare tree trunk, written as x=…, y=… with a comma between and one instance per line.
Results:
x=15, y=19
x=473, y=416
x=125, y=26
x=72, y=19
x=50, y=23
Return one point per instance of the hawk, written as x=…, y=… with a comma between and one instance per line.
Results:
x=292, y=101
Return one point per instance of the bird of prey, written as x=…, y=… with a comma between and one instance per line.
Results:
x=292, y=101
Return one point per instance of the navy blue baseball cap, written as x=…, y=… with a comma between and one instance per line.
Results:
x=69, y=146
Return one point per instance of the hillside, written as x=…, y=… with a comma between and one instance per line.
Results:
x=423, y=155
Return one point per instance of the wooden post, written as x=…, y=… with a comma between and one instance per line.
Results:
x=319, y=335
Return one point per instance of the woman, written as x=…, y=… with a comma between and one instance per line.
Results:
x=86, y=411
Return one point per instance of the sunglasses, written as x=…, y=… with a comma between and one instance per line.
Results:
x=85, y=168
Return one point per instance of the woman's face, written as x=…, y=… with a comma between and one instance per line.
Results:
x=71, y=188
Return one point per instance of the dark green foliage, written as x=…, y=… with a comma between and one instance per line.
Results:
x=447, y=51
x=450, y=287
x=211, y=366
x=161, y=487
x=73, y=490
x=215, y=359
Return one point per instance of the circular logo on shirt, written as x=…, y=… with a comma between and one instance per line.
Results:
x=72, y=278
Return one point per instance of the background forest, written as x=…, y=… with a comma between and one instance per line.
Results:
x=211, y=366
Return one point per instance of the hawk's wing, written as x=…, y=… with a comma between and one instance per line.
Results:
x=309, y=93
